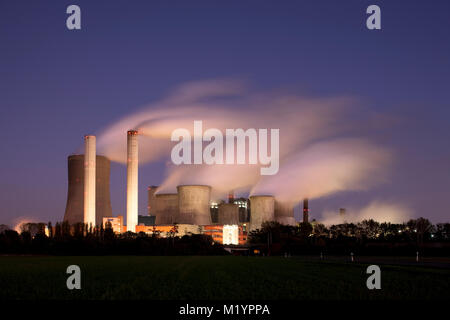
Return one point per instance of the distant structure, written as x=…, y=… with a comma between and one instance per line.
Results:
x=115, y=223
x=262, y=210
x=305, y=211
x=193, y=204
x=231, y=196
x=244, y=209
x=74, y=212
x=146, y=220
x=214, y=210
x=342, y=212
x=230, y=234
x=165, y=208
x=284, y=213
x=89, y=180
x=228, y=214
x=132, y=180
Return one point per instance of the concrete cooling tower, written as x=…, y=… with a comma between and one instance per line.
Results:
x=75, y=194
x=262, y=210
x=228, y=213
x=165, y=208
x=284, y=213
x=193, y=204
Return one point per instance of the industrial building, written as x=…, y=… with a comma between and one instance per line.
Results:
x=188, y=211
x=115, y=223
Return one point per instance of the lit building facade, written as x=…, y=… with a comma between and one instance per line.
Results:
x=226, y=234
x=116, y=223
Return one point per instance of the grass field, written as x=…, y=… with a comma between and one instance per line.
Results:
x=214, y=278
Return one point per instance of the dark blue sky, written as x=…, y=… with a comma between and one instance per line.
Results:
x=57, y=85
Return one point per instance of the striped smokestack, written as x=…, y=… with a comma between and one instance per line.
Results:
x=231, y=196
x=132, y=180
x=89, y=179
x=305, y=210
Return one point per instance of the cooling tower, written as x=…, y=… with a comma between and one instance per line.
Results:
x=284, y=213
x=132, y=180
x=193, y=204
x=75, y=193
x=262, y=210
x=228, y=214
x=151, y=200
x=89, y=180
x=165, y=208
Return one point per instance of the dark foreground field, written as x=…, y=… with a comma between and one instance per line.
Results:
x=194, y=277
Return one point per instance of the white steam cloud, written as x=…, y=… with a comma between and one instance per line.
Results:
x=320, y=151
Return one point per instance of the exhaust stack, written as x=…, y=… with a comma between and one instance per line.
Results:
x=132, y=180
x=305, y=211
x=231, y=196
x=89, y=180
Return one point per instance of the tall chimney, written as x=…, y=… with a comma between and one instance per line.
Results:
x=231, y=196
x=132, y=180
x=305, y=210
x=89, y=179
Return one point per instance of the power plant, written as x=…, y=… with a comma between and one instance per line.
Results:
x=190, y=209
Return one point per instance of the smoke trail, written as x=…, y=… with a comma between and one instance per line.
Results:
x=317, y=157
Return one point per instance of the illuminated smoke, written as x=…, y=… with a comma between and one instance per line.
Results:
x=20, y=221
x=379, y=211
x=318, y=152
x=325, y=168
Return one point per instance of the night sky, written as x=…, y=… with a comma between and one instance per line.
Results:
x=57, y=85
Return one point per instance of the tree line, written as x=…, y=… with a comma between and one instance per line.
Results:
x=367, y=237
x=364, y=238
x=81, y=239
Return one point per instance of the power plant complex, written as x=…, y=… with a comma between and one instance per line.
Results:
x=188, y=211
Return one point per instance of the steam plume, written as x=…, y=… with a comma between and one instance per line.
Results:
x=319, y=153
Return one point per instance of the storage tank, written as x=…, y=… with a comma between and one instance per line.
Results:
x=262, y=210
x=228, y=214
x=165, y=208
x=193, y=204
x=284, y=213
x=74, y=212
